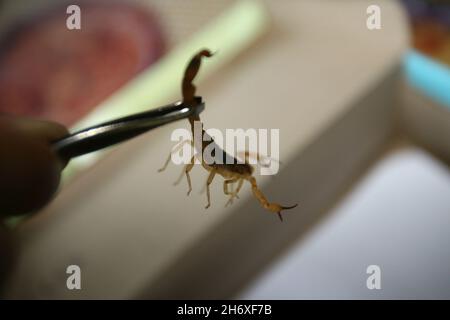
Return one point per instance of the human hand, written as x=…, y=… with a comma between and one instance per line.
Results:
x=29, y=169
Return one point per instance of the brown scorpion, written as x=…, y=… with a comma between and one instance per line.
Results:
x=234, y=172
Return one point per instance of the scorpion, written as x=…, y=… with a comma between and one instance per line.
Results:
x=233, y=172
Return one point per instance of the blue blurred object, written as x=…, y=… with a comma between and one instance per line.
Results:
x=428, y=76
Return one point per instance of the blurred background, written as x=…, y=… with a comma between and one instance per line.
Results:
x=364, y=119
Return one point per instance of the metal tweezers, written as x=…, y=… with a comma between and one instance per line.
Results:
x=115, y=131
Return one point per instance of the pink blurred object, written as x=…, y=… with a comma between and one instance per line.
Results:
x=48, y=71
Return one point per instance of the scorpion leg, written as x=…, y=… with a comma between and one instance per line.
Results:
x=241, y=182
x=210, y=179
x=235, y=193
x=186, y=171
x=225, y=188
x=176, y=148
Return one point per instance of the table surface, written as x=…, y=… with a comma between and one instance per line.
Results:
x=395, y=217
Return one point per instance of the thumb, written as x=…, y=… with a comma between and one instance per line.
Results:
x=29, y=169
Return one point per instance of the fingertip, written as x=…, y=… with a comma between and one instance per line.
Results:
x=29, y=168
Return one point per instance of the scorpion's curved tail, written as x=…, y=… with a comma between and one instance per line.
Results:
x=273, y=207
x=188, y=88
